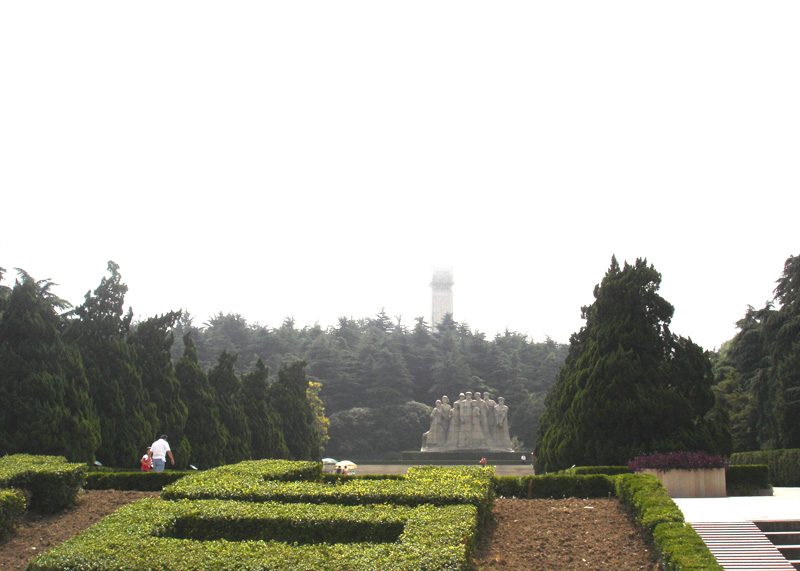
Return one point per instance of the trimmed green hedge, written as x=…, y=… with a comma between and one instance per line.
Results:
x=587, y=470
x=155, y=531
x=12, y=506
x=53, y=484
x=141, y=481
x=345, y=529
x=553, y=486
x=248, y=481
x=677, y=544
x=784, y=465
x=745, y=480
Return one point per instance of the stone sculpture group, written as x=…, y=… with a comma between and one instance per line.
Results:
x=469, y=424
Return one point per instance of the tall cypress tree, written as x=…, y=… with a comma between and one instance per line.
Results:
x=766, y=353
x=207, y=435
x=628, y=385
x=266, y=436
x=289, y=395
x=222, y=378
x=43, y=387
x=153, y=341
x=100, y=329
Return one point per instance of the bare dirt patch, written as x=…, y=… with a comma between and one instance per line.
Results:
x=560, y=535
x=37, y=533
x=530, y=535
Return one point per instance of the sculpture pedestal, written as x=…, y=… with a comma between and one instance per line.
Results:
x=705, y=483
x=460, y=457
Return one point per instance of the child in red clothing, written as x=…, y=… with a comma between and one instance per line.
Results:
x=147, y=460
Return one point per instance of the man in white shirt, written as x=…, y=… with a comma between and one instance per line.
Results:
x=161, y=450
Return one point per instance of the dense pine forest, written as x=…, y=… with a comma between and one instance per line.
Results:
x=379, y=378
x=90, y=382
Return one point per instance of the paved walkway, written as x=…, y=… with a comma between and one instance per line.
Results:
x=504, y=470
x=784, y=504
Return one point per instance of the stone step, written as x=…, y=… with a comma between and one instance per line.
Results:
x=740, y=546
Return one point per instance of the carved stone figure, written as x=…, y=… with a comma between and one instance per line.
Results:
x=502, y=438
x=469, y=424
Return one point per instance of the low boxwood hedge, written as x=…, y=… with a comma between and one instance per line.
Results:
x=553, y=486
x=248, y=481
x=747, y=480
x=219, y=535
x=140, y=481
x=12, y=506
x=51, y=482
x=345, y=529
x=784, y=465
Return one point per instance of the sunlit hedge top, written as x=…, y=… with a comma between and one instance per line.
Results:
x=257, y=481
x=15, y=467
x=676, y=461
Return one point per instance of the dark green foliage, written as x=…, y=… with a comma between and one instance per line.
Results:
x=784, y=465
x=628, y=385
x=649, y=499
x=12, y=506
x=133, y=480
x=378, y=362
x=288, y=395
x=746, y=480
x=51, y=482
x=374, y=432
x=207, y=435
x=607, y=470
x=152, y=340
x=764, y=374
x=226, y=386
x=43, y=387
x=734, y=397
x=266, y=437
x=554, y=486
x=99, y=329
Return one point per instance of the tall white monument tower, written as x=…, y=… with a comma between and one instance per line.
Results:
x=441, y=295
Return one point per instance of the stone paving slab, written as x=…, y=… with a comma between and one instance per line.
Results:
x=784, y=504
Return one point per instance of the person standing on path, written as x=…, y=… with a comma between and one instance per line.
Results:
x=161, y=450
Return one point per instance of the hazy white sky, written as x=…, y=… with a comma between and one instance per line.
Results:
x=319, y=159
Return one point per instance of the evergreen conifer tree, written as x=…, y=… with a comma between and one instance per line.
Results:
x=153, y=341
x=222, y=378
x=207, y=435
x=289, y=395
x=99, y=329
x=628, y=385
x=266, y=436
x=44, y=394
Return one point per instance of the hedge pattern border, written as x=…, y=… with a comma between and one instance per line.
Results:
x=254, y=481
x=433, y=537
x=51, y=482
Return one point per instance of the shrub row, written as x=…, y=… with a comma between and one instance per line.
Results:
x=742, y=480
x=51, y=483
x=435, y=485
x=677, y=544
x=607, y=470
x=784, y=465
x=553, y=486
x=149, y=532
x=12, y=506
x=352, y=532
x=141, y=481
